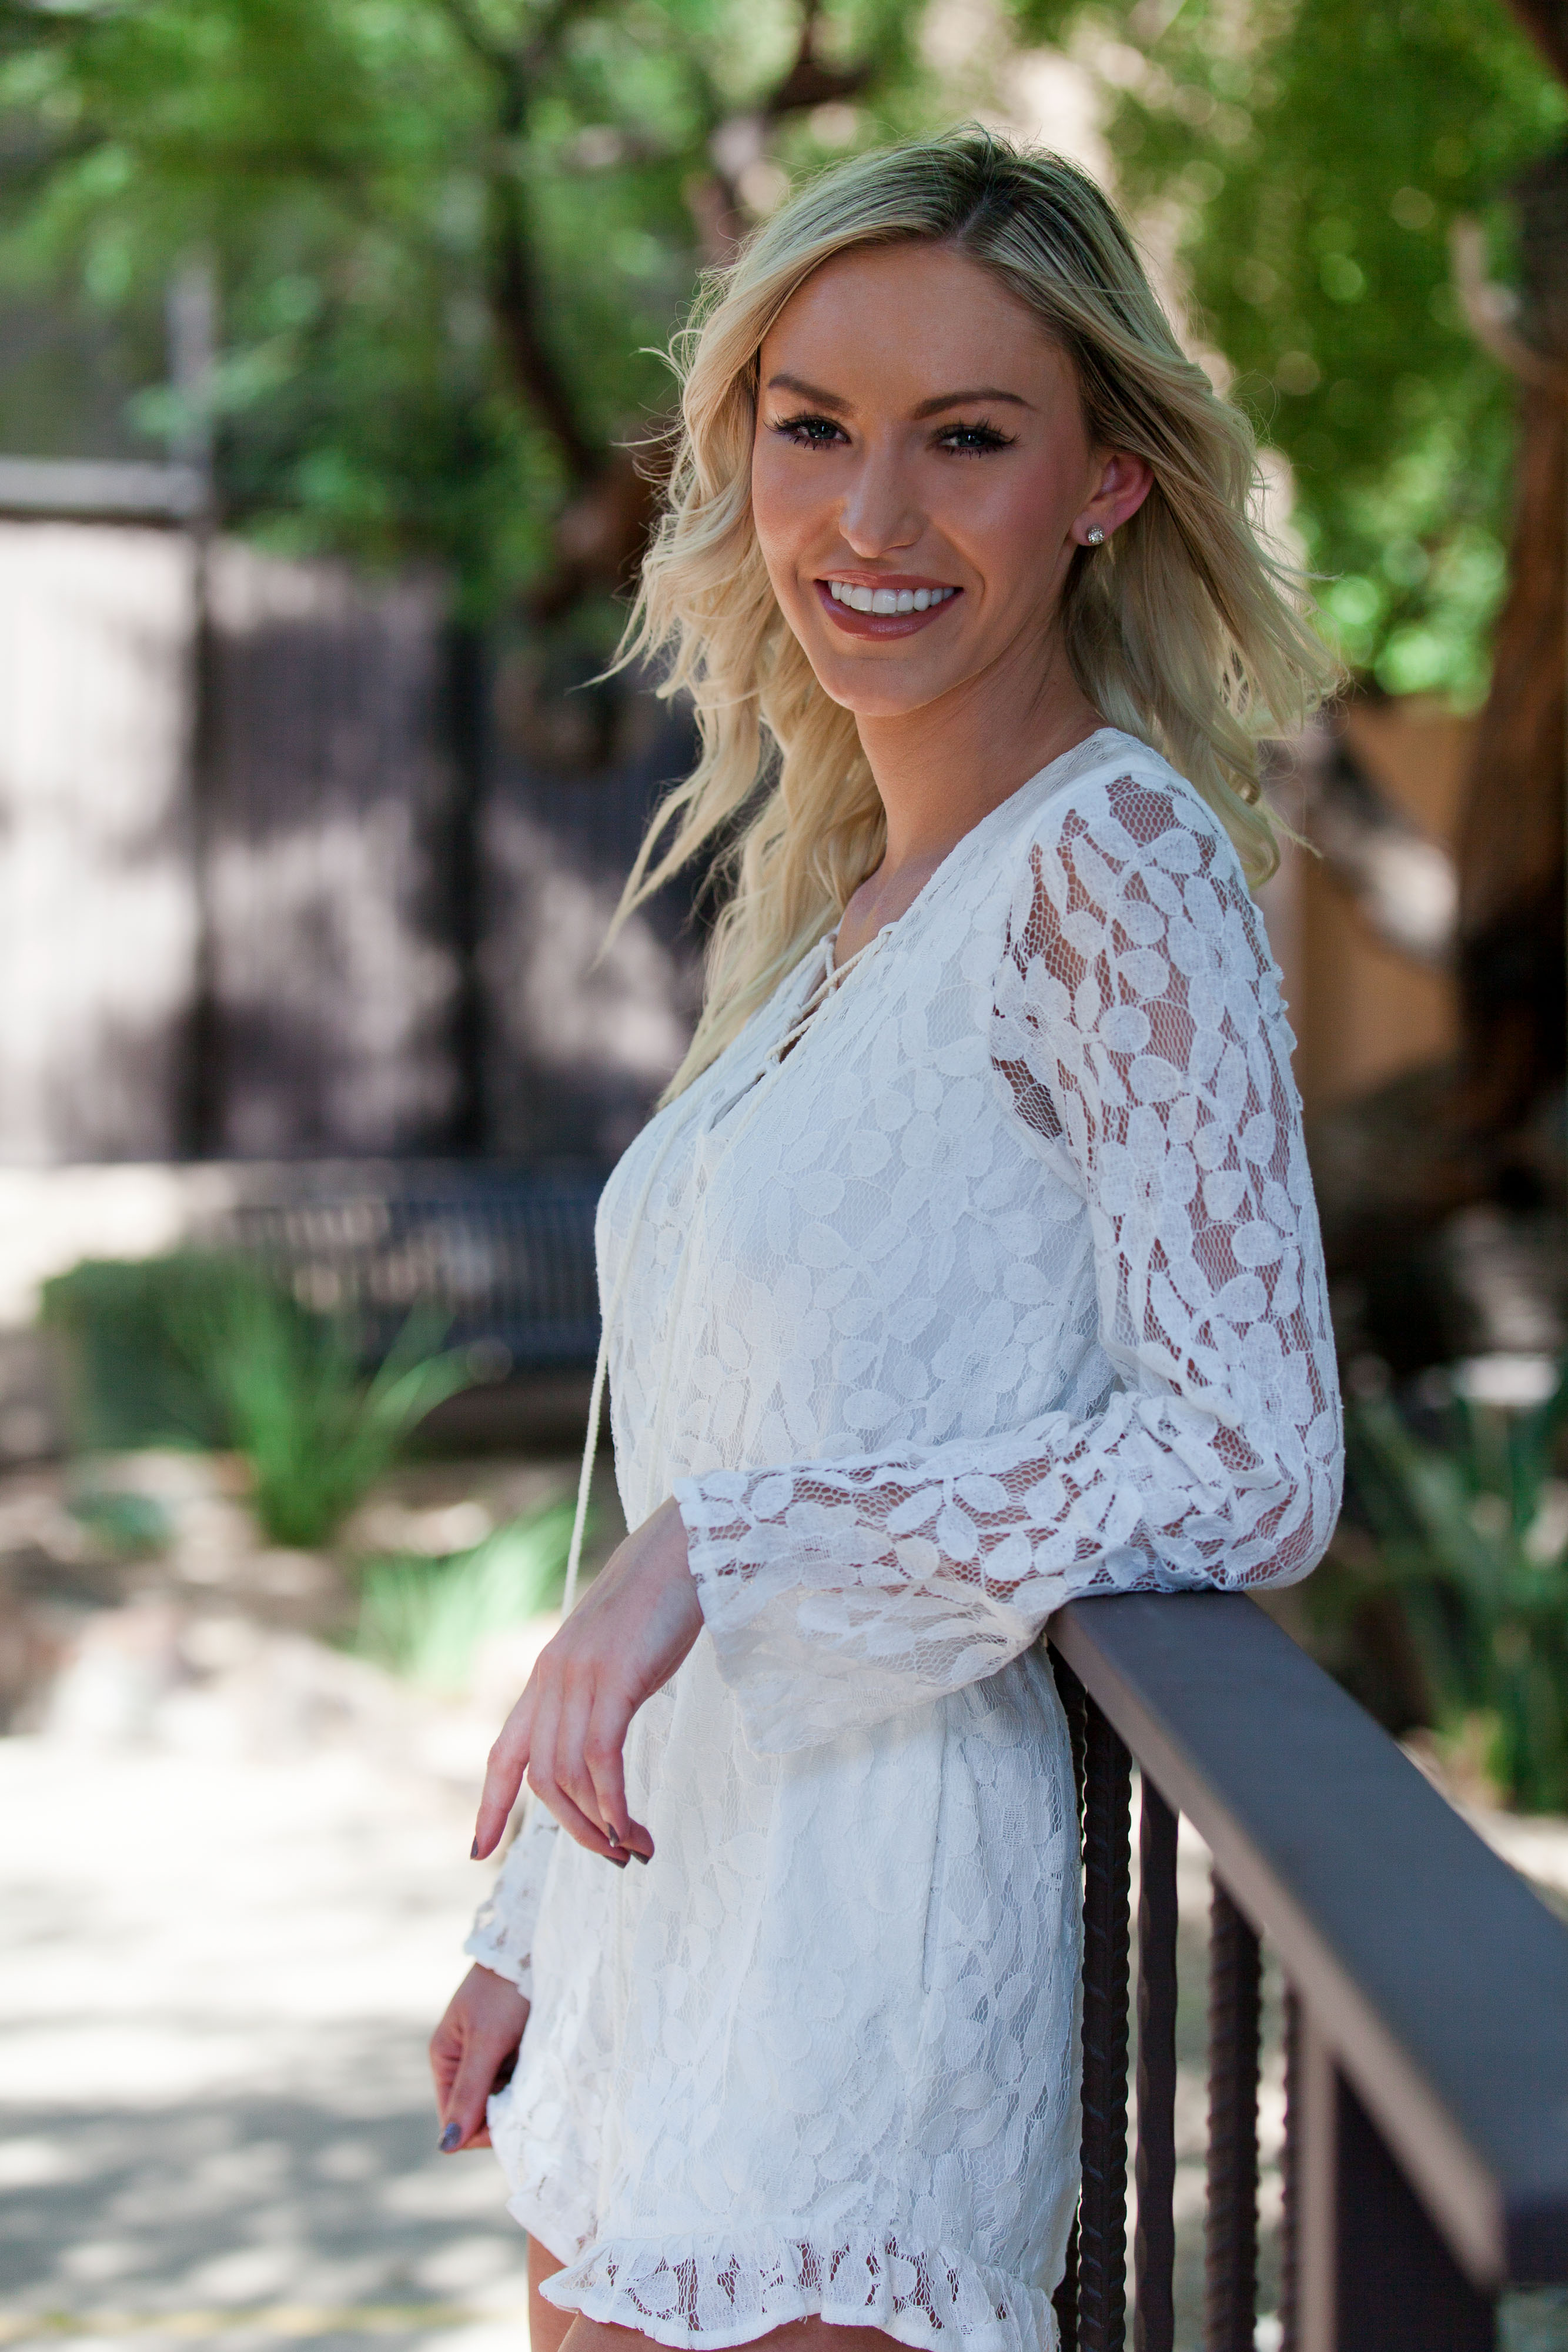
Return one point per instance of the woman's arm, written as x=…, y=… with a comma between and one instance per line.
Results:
x=478, y=2036
x=625, y=1638
x=1139, y=1032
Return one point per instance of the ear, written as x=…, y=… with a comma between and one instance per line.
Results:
x=1125, y=482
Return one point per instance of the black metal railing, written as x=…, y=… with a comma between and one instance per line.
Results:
x=502, y=1254
x=1425, y=2156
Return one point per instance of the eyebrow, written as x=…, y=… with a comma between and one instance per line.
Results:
x=926, y=408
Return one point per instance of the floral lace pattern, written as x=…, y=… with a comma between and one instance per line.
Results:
x=1002, y=1286
x=503, y=1932
x=1139, y=1029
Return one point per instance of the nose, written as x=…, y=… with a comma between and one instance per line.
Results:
x=880, y=513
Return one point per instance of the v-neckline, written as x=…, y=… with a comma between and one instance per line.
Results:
x=832, y=975
x=946, y=862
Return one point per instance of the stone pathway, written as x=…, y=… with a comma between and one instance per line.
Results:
x=217, y=1982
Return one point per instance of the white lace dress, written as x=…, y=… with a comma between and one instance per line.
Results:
x=1003, y=1284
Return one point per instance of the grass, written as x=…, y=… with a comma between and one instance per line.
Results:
x=316, y=1433
x=1470, y=1539
x=427, y=1620
x=207, y=1348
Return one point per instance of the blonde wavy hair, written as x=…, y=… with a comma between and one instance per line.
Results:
x=1183, y=630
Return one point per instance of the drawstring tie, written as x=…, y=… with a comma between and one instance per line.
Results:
x=834, y=973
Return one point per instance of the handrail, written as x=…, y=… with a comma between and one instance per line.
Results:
x=96, y=489
x=1433, y=1978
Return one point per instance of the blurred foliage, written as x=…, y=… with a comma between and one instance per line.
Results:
x=121, y=1331
x=126, y=1525
x=356, y=172
x=1308, y=159
x=426, y=1619
x=316, y=1433
x=1467, y=1521
x=204, y=1350
x=360, y=176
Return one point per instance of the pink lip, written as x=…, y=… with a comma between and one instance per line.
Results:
x=880, y=625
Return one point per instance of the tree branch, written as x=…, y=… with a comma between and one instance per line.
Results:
x=515, y=303
x=1490, y=310
x=810, y=83
x=472, y=34
x=1546, y=22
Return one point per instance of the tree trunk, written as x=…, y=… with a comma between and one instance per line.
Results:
x=1512, y=974
x=1512, y=865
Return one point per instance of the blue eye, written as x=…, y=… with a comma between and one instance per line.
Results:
x=810, y=432
x=973, y=440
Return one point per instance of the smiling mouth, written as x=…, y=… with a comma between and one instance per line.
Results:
x=893, y=609
x=887, y=599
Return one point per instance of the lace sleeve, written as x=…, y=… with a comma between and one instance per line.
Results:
x=503, y=1931
x=1139, y=1029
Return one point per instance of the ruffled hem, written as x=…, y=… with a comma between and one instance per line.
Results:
x=705, y=2294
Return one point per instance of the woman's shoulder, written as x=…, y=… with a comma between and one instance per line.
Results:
x=1115, y=807
x=1124, y=842
x=1116, y=780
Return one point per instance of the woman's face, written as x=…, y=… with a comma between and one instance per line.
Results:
x=920, y=440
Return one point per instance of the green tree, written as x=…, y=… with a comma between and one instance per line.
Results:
x=449, y=235
x=1313, y=156
x=446, y=234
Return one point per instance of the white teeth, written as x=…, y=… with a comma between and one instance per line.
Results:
x=887, y=599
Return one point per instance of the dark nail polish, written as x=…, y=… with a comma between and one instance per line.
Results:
x=611, y=1837
x=620, y=1860
x=474, y=1851
x=640, y=1857
x=449, y=2139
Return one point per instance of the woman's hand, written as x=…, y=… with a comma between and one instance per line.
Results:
x=626, y=1636
x=469, y=2051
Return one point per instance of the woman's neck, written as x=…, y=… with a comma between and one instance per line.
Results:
x=940, y=769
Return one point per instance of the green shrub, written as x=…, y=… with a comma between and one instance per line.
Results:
x=206, y=1348
x=122, y=1329
x=127, y=1526
x=1470, y=1536
x=426, y=1619
x=316, y=1433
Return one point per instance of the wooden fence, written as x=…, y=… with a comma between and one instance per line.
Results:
x=277, y=882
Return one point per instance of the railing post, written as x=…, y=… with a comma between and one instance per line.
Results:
x=1074, y=1706
x=1153, y=2240
x=1371, y=2274
x=1230, y=2247
x=1107, y=1888
x=1290, y=2181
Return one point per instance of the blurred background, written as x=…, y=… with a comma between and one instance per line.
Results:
x=329, y=358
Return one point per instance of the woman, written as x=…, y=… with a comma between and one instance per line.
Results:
x=971, y=1265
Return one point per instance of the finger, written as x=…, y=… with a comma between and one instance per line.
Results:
x=570, y=1768
x=463, y=2113
x=547, y=1788
x=503, y=1770
x=604, y=1753
x=576, y=1822
x=445, y=2050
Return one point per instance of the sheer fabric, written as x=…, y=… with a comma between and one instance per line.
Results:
x=1001, y=1286
x=503, y=1932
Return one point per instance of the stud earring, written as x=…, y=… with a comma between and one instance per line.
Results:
x=1095, y=536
